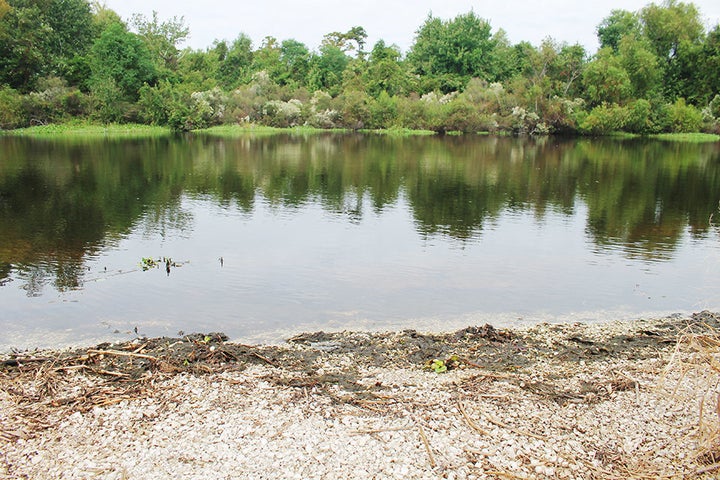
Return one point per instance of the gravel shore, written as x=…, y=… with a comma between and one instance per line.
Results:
x=615, y=400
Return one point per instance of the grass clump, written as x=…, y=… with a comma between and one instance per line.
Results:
x=85, y=129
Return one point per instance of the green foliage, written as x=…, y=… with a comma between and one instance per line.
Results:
x=641, y=64
x=383, y=111
x=639, y=118
x=53, y=102
x=11, y=113
x=684, y=118
x=355, y=111
x=454, y=51
x=235, y=62
x=120, y=64
x=441, y=366
x=39, y=37
x=604, y=119
x=437, y=366
x=619, y=24
x=326, y=69
x=605, y=79
x=162, y=39
x=457, y=76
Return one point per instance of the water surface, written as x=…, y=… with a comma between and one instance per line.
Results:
x=349, y=232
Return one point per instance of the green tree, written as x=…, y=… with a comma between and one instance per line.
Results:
x=670, y=24
x=385, y=72
x=675, y=33
x=162, y=38
x=295, y=61
x=352, y=40
x=121, y=58
x=326, y=69
x=234, y=69
x=708, y=68
x=605, y=79
x=40, y=38
x=23, y=46
x=449, y=53
x=617, y=25
x=267, y=58
x=640, y=62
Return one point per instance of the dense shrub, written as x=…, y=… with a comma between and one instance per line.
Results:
x=461, y=116
x=383, y=111
x=684, y=118
x=11, y=111
x=356, y=109
x=604, y=119
x=412, y=113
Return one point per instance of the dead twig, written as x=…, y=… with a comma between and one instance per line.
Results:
x=708, y=469
x=425, y=441
x=264, y=359
x=121, y=354
x=380, y=430
x=500, y=424
x=470, y=421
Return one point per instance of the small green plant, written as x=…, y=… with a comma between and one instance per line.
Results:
x=438, y=366
x=441, y=366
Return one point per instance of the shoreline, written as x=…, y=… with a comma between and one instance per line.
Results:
x=612, y=400
x=81, y=129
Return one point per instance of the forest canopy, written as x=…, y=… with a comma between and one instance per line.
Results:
x=657, y=70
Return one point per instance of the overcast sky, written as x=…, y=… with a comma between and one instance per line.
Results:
x=394, y=21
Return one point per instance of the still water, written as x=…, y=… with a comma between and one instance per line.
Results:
x=270, y=236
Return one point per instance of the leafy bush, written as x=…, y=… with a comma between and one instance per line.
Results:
x=11, y=111
x=684, y=118
x=356, y=109
x=639, y=118
x=461, y=116
x=563, y=115
x=383, y=111
x=527, y=122
x=604, y=119
x=412, y=113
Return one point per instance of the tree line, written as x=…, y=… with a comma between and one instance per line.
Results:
x=657, y=70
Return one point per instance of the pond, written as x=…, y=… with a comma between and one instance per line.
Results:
x=264, y=237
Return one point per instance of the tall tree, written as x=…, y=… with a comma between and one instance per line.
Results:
x=326, y=69
x=295, y=59
x=454, y=51
x=163, y=39
x=385, y=72
x=352, y=40
x=617, y=25
x=40, y=37
x=605, y=80
x=234, y=68
x=121, y=58
x=642, y=65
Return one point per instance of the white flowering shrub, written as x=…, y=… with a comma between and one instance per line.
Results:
x=433, y=97
x=277, y=113
x=327, y=118
x=527, y=122
x=209, y=106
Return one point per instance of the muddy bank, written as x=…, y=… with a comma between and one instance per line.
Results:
x=437, y=382
x=300, y=360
